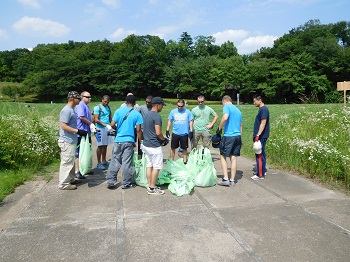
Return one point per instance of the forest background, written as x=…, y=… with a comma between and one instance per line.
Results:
x=303, y=66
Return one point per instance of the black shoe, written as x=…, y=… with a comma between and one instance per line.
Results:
x=128, y=186
x=79, y=175
x=110, y=186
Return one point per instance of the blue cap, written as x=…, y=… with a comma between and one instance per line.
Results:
x=215, y=141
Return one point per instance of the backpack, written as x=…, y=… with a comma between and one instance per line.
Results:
x=100, y=107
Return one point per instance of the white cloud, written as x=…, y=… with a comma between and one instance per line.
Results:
x=113, y=3
x=121, y=33
x=95, y=13
x=230, y=35
x=3, y=34
x=40, y=27
x=30, y=3
x=253, y=43
x=163, y=31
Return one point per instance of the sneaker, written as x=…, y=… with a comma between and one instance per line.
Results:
x=224, y=182
x=75, y=181
x=232, y=183
x=155, y=191
x=110, y=186
x=100, y=166
x=128, y=186
x=79, y=175
x=255, y=177
x=69, y=187
x=105, y=164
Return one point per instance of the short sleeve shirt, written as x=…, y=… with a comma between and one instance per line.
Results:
x=126, y=129
x=103, y=112
x=201, y=117
x=181, y=121
x=68, y=116
x=150, y=138
x=263, y=113
x=233, y=123
x=82, y=109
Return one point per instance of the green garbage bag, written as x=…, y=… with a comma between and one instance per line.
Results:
x=163, y=177
x=85, y=155
x=140, y=170
x=181, y=187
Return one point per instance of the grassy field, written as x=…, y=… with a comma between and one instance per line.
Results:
x=312, y=140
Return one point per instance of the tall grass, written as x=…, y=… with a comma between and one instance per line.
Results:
x=311, y=139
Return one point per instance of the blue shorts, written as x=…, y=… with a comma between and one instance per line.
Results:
x=231, y=146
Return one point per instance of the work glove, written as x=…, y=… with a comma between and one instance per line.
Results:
x=167, y=134
x=219, y=132
x=190, y=135
x=256, y=138
x=108, y=127
x=92, y=128
x=165, y=141
x=82, y=132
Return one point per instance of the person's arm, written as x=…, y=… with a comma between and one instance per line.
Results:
x=261, y=127
x=68, y=128
x=168, y=127
x=113, y=124
x=159, y=133
x=85, y=120
x=210, y=126
x=139, y=132
x=223, y=121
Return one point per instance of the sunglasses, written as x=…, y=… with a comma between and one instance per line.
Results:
x=179, y=106
x=87, y=96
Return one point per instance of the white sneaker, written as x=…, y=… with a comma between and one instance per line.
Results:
x=255, y=177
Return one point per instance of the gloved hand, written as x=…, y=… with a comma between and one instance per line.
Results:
x=165, y=142
x=167, y=134
x=219, y=132
x=190, y=135
x=82, y=132
x=256, y=138
x=92, y=128
x=108, y=127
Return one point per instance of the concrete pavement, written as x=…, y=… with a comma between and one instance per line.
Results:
x=281, y=218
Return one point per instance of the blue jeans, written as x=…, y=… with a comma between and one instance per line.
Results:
x=122, y=155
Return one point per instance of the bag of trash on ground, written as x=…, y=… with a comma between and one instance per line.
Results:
x=140, y=170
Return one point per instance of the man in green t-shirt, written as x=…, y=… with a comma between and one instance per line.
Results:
x=202, y=124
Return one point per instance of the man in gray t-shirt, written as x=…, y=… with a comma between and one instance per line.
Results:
x=153, y=139
x=144, y=109
x=68, y=142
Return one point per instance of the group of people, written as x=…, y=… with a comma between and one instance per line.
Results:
x=143, y=124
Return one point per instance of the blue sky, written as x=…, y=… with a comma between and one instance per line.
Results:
x=249, y=24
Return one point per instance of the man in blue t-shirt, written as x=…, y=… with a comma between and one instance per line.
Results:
x=231, y=142
x=182, y=120
x=261, y=132
x=103, y=117
x=125, y=120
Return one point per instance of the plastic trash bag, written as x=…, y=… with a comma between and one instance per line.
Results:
x=140, y=170
x=181, y=187
x=85, y=155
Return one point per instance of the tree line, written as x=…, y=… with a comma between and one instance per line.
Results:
x=303, y=66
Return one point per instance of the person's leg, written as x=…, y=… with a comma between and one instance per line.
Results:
x=66, y=173
x=261, y=168
x=99, y=154
x=206, y=137
x=233, y=167
x=184, y=145
x=115, y=165
x=224, y=167
x=127, y=168
x=77, y=156
x=103, y=153
x=195, y=140
x=185, y=155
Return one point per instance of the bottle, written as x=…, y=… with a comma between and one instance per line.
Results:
x=98, y=135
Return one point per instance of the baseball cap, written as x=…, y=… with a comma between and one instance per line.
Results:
x=74, y=94
x=158, y=100
x=215, y=141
